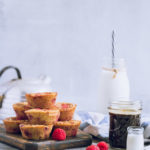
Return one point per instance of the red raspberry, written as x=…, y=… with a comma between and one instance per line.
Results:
x=64, y=106
x=103, y=146
x=59, y=134
x=92, y=147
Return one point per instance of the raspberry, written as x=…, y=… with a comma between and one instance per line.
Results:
x=92, y=147
x=64, y=106
x=59, y=134
x=103, y=146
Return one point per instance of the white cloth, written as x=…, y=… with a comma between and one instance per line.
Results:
x=97, y=124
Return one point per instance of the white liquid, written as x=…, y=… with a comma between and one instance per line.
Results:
x=135, y=142
x=113, y=88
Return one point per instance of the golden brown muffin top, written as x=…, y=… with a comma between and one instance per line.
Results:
x=24, y=125
x=21, y=104
x=13, y=119
x=38, y=110
x=42, y=94
x=68, y=123
x=65, y=106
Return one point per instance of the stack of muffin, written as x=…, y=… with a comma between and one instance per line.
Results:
x=40, y=114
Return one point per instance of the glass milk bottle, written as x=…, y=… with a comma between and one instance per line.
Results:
x=135, y=139
x=114, y=83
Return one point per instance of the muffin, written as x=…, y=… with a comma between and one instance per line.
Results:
x=42, y=116
x=35, y=132
x=12, y=124
x=66, y=111
x=70, y=127
x=20, y=108
x=44, y=100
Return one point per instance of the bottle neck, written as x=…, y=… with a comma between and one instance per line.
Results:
x=117, y=64
x=135, y=130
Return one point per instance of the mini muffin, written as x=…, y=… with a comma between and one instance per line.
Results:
x=44, y=100
x=70, y=127
x=20, y=108
x=35, y=132
x=43, y=116
x=66, y=111
x=12, y=124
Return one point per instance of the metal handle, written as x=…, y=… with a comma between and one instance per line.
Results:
x=2, y=97
x=11, y=67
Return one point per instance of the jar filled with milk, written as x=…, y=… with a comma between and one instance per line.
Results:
x=135, y=139
x=114, y=83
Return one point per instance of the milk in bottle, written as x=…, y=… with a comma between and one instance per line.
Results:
x=135, y=139
x=114, y=83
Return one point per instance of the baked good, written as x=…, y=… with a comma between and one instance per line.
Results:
x=66, y=111
x=70, y=127
x=42, y=116
x=35, y=132
x=20, y=108
x=12, y=124
x=44, y=100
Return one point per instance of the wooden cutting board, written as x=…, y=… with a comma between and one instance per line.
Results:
x=82, y=139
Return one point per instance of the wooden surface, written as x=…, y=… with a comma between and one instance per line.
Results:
x=82, y=139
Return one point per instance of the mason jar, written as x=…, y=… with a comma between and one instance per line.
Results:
x=122, y=115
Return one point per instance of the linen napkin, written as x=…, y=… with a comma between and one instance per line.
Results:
x=97, y=124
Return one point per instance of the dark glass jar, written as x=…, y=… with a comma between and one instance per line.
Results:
x=122, y=115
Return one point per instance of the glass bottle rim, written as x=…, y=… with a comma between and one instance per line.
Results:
x=135, y=130
x=125, y=105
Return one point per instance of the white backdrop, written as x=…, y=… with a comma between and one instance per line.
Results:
x=66, y=39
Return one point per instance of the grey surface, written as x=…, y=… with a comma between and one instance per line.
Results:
x=6, y=147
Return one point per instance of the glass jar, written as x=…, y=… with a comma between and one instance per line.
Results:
x=135, y=138
x=114, y=83
x=122, y=115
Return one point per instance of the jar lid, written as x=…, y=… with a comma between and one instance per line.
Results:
x=125, y=106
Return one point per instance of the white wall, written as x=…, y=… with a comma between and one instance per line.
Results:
x=66, y=39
